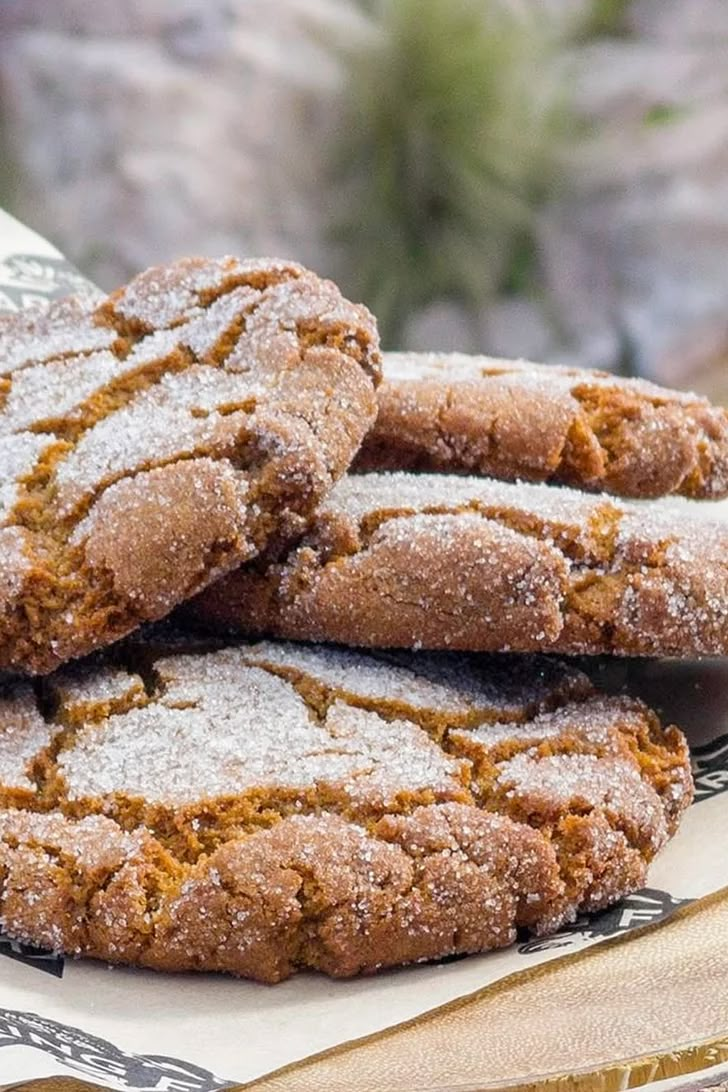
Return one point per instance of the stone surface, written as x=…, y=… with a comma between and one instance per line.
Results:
x=445, y=325
x=515, y=326
x=633, y=252
x=139, y=131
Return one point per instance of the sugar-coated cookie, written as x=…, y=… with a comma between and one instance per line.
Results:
x=152, y=441
x=258, y=809
x=447, y=561
x=512, y=419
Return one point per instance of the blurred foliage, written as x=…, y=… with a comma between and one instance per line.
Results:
x=663, y=113
x=9, y=175
x=454, y=119
x=607, y=19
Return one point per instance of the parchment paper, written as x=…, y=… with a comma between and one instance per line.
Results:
x=195, y=1033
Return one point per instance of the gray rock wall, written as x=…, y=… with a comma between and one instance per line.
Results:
x=137, y=130
x=142, y=130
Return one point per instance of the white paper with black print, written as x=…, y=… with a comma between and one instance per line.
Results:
x=32, y=271
x=150, y=1032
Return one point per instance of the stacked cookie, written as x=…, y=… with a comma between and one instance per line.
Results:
x=220, y=793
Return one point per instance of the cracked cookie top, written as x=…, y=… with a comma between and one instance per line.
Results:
x=517, y=420
x=150, y=442
x=262, y=808
x=435, y=561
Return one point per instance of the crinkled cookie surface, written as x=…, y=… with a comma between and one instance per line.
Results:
x=152, y=441
x=447, y=561
x=259, y=809
x=513, y=419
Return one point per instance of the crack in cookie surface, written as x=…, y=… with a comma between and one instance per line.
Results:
x=518, y=420
x=425, y=560
x=161, y=426
x=184, y=804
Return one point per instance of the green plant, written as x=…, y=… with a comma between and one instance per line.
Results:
x=663, y=113
x=607, y=19
x=452, y=115
x=9, y=173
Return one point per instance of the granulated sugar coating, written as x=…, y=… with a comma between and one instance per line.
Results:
x=155, y=440
x=453, y=562
x=258, y=809
x=516, y=420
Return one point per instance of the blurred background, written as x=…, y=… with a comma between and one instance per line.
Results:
x=540, y=178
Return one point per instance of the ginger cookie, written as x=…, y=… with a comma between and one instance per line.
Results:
x=517, y=420
x=444, y=561
x=153, y=441
x=259, y=809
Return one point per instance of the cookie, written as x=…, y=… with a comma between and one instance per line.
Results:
x=512, y=419
x=155, y=440
x=260, y=809
x=443, y=561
